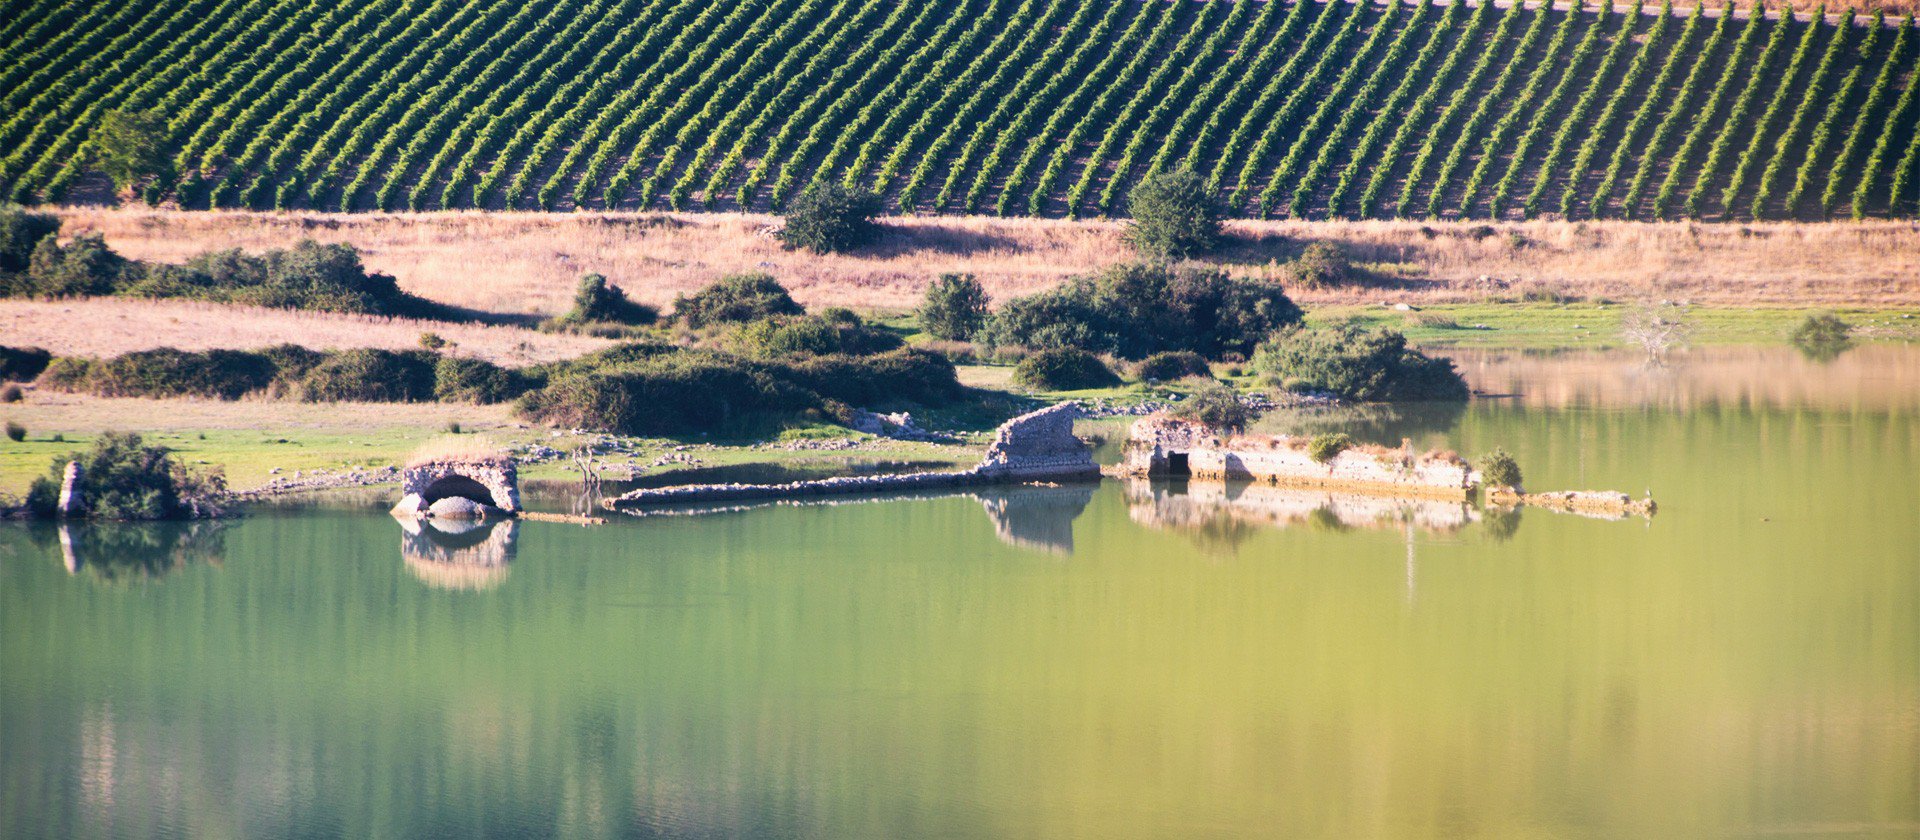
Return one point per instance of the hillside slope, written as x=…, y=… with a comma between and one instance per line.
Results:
x=1014, y=107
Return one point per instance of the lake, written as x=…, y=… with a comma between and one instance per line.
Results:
x=1105, y=660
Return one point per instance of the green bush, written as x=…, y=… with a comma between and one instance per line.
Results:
x=83, y=267
x=22, y=364
x=1219, y=407
x=910, y=376
x=478, y=381
x=1173, y=216
x=1136, y=310
x=1359, y=365
x=1323, y=265
x=20, y=232
x=122, y=478
x=131, y=146
x=1324, y=448
x=16, y=432
x=832, y=331
x=370, y=375
x=828, y=216
x=736, y=299
x=1822, y=329
x=166, y=372
x=1498, y=468
x=67, y=373
x=955, y=307
x=432, y=341
x=1172, y=365
x=11, y=393
x=1063, y=369
x=598, y=302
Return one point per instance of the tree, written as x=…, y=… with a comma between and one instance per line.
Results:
x=130, y=146
x=735, y=299
x=955, y=308
x=829, y=216
x=1172, y=216
x=1657, y=327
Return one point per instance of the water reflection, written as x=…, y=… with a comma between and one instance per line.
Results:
x=1037, y=516
x=1871, y=377
x=1221, y=515
x=128, y=551
x=458, y=554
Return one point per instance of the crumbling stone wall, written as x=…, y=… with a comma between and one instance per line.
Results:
x=1154, y=441
x=497, y=477
x=1040, y=445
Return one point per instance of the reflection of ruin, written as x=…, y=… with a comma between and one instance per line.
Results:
x=1036, y=516
x=458, y=554
x=1211, y=507
x=138, y=550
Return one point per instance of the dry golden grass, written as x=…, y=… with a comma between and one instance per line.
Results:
x=47, y=410
x=530, y=262
x=457, y=448
x=110, y=326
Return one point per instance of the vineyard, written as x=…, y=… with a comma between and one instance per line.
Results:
x=1009, y=107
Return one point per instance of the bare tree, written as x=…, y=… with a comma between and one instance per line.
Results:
x=1657, y=327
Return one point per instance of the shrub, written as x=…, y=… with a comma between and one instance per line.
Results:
x=1324, y=448
x=832, y=331
x=370, y=375
x=16, y=432
x=477, y=381
x=432, y=341
x=11, y=394
x=122, y=478
x=955, y=307
x=735, y=299
x=1063, y=369
x=1432, y=321
x=1323, y=265
x=599, y=302
x=67, y=373
x=828, y=216
x=1171, y=365
x=1133, y=311
x=1498, y=468
x=166, y=372
x=1359, y=365
x=131, y=146
x=20, y=232
x=1824, y=328
x=913, y=376
x=1219, y=407
x=22, y=364
x=85, y=266
x=1173, y=216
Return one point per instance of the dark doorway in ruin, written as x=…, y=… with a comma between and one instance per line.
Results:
x=457, y=485
x=1177, y=465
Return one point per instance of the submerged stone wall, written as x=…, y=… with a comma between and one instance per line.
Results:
x=1036, y=446
x=1162, y=445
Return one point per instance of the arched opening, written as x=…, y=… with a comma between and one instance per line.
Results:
x=457, y=485
x=1177, y=466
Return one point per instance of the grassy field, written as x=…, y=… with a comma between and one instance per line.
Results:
x=521, y=263
x=1042, y=108
x=1597, y=325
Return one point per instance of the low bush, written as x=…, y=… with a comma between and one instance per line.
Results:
x=478, y=381
x=12, y=394
x=1219, y=407
x=1173, y=216
x=370, y=375
x=20, y=232
x=1324, y=448
x=737, y=299
x=81, y=268
x=597, y=305
x=1171, y=365
x=831, y=331
x=1359, y=365
x=955, y=307
x=911, y=376
x=166, y=372
x=1063, y=369
x=432, y=341
x=1822, y=329
x=1323, y=265
x=1498, y=468
x=1432, y=321
x=829, y=216
x=67, y=373
x=1134, y=311
x=16, y=432
x=123, y=478
x=22, y=364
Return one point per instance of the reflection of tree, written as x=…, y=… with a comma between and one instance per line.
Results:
x=1501, y=523
x=125, y=551
x=1037, y=516
x=458, y=554
x=1823, y=351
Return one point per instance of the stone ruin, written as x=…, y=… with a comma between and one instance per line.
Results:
x=1040, y=445
x=1166, y=446
x=459, y=487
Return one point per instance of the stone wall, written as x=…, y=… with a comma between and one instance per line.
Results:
x=1155, y=444
x=498, y=478
x=1040, y=445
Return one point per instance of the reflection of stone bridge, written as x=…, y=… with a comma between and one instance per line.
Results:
x=1203, y=504
x=458, y=554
